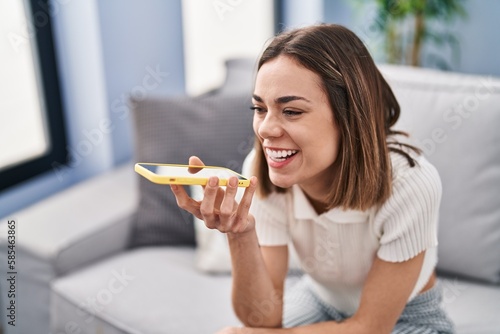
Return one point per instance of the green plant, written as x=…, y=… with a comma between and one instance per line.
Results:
x=408, y=24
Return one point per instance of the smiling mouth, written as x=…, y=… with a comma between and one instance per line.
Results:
x=280, y=155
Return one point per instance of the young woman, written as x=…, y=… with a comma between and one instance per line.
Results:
x=359, y=206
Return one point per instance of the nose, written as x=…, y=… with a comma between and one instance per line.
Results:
x=268, y=126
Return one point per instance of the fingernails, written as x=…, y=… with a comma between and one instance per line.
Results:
x=173, y=187
x=253, y=180
x=233, y=182
x=213, y=181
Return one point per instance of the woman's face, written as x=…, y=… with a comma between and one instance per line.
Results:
x=295, y=125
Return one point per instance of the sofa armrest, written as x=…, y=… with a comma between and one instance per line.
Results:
x=75, y=227
x=86, y=222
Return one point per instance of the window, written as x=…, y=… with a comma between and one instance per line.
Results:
x=32, y=134
x=218, y=30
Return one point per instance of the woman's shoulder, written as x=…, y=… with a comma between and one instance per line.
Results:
x=418, y=170
x=415, y=188
x=406, y=223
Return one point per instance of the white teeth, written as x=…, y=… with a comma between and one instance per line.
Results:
x=279, y=155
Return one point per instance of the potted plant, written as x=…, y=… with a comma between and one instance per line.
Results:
x=408, y=24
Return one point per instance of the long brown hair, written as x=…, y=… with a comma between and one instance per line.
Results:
x=364, y=108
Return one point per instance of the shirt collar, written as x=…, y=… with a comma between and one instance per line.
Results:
x=304, y=210
x=301, y=205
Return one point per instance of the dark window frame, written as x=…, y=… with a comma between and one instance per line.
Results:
x=51, y=93
x=279, y=14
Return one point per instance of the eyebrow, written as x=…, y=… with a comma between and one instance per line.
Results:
x=282, y=99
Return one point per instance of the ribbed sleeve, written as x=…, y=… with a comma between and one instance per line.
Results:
x=407, y=221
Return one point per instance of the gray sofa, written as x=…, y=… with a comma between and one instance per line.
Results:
x=113, y=255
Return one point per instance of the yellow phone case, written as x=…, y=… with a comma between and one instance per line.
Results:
x=186, y=180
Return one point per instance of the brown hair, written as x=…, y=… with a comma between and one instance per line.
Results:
x=364, y=108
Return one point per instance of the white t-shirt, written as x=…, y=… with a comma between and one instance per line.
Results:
x=337, y=248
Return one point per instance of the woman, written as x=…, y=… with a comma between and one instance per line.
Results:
x=359, y=206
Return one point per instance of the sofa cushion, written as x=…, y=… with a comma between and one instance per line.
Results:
x=145, y=290
x=157, y=290
x=217, y=128
x=454, y=118
x=473, y=307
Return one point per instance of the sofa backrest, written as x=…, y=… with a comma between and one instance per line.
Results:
x=454, y=119
x=217, y=128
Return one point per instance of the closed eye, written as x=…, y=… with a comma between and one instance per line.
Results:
x=289, y=112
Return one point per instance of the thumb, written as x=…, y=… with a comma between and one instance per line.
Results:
x=195, y=161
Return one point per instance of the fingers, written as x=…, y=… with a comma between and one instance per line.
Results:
x=208, y=205
x=219, y=209
x=185, y=202
x=234, y=217
x=241, y=218
x=228, y=205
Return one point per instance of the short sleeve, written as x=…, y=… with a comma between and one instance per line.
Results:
x=270, y=213
x=407, y=222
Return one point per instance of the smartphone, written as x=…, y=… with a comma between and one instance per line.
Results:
x=179, y=174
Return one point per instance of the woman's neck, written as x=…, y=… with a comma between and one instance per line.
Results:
x=319, y=205
x=318, y=193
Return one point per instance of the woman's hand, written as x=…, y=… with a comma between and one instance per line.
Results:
x=218, y=208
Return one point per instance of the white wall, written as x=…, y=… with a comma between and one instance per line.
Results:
x=217, y=30
x=298, y=13
x=142, y=51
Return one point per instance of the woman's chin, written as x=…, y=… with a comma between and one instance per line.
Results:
x=280, y=182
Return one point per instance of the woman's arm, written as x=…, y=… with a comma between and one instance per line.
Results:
x=258, y=273
x=258, y=280
x=385, y=294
